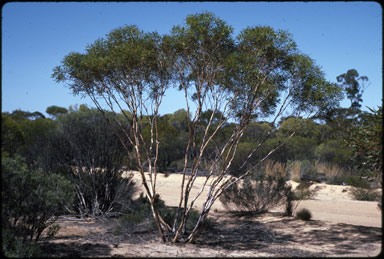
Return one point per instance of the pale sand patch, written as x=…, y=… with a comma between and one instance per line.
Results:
x=330, y=203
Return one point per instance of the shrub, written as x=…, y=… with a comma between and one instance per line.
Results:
x=304, y=214
x=289, y=197
x=87, y=151
x=334, y=174
x=336, y=180
x=308, y=172
x=302, y=191
x=255, y=195
x=365, y=194
x=333, y=151
x=275, y=169
x=357, y=181
x=99, y=192
x=294, y=170
x=141, y=211
x=31, y=201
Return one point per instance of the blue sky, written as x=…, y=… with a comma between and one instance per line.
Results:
x=36, y=37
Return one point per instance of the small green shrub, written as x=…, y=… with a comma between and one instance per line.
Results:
x=308, y=172
x=336, y=180
x=357, y=181
x=304, y=214
x=365, y=194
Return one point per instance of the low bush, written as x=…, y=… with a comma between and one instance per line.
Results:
x=308, y=172
x=357, y=181
x=365, y=194
x=336, y=180
x=302, y=191
x=294, y=170
x=99, y=192
x=289, y=198
x=141, y=212
x=31, y=202
x=257, y=194
x=304, y=214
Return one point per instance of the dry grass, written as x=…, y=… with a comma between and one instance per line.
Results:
x=330, y=170
x=275, y=169
x=294, y=171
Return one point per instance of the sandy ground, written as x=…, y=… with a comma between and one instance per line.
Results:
x=330, y=203
x=340, y=227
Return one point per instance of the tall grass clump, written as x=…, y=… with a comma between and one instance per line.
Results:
x=275, y=169
x=334, y=174
x=308, y=172
x=294, y=168
x=302, y=171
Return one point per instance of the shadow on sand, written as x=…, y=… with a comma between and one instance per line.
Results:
x=75, y=250
x=286, y=234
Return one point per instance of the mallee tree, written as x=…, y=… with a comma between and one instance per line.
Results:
x=258, y=74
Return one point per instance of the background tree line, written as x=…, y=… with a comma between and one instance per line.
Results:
x=79, y=147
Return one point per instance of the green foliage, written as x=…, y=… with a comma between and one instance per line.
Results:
x=336, y=180
x=365, y=194
x=31, y=200
x=308, y=172
x=12, y=136
x=255, y=195
x=333, y=151
x=88, y=152
x=99, y=192
x=357, y=181
x=306, y=128
x=366, y=143
x=18, y=248
x=352, y=87
x=304, y=214
x=239, y=79
x=56, y=111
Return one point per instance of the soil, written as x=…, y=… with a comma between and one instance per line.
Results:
x=340, y=227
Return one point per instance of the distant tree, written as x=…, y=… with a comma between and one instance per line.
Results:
x=353, y=86
x=260, y=74
x=37, y=136
x=335, y=152
x=56, y=111
x=21, y=115
x=12, y=135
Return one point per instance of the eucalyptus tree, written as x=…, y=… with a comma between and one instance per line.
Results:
x=56, y=111
x=225, y=81
x=353, y=86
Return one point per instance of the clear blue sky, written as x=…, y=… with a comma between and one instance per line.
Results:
x=36, y=37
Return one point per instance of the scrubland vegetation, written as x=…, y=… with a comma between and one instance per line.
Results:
x=73, y=161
